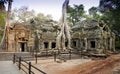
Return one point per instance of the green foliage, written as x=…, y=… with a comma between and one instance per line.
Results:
x=75, y=13
x=2, y=19
x=36, y=42
x=117, y=44
x=41, y=17
x=2, y=23
x=22, y=14
x=94, y=13
x=110, y=10
x=111, y=14
x=39, y=21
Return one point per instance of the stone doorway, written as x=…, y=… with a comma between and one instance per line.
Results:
x=92, y=44
x=53, y=44
x=46, y=45
x=22, y=46
x=74, y=43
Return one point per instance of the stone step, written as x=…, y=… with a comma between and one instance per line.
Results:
x=6, y=56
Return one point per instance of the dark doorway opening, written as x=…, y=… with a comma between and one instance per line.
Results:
x=92, y=44
x=66, y=44
x=22, y=47
x=83, y=44
x=53, y=44
x=74, y=43
x=46, y=44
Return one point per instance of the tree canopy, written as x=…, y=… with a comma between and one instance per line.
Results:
x=23, y=14
x=76, y=13
x=111, y=14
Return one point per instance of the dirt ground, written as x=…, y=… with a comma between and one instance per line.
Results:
x=110, y=65
x=51, y=67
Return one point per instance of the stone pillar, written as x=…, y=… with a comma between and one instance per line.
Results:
x=43, y=46
x=85, y=39
x=111, y=44
x=79, y=43
x=99, y=44
x=76, y=43
x=105, y=43
x=25, y=47
x=19, y=47
x=102, y=39
x=102, y=43
x=49, y=45
x=88, y=44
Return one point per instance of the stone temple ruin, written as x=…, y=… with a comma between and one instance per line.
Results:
x=17, y=38
x=88, y=35
x=93, y=35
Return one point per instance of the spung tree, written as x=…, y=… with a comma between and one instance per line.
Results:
x=64, y=33
x=2, y=14
x=111, y=14
x=2, y=17
x=110, y=10
x=7, y=23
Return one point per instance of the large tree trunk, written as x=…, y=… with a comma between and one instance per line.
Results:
x=68, y=35
x=60, y=40
x=5, y=35
x=65, y=30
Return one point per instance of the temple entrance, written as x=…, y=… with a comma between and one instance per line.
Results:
x=66, y=44
x=46, y=45
x=74, y=43
x=53, y=44
x=92, y=44
x=22, y=47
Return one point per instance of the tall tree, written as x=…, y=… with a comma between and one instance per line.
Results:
x=3, y=41
x=23, y=14
x=65, y=30
x=111, y=14
x=2, y=13
x=2, y=17
x=94, y=13
x=2, y=23
x=93, y=10
x=76, y=13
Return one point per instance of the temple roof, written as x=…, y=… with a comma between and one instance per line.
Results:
x=90, y=28
x=49, y=35
x=87, y=24
x=19, y=26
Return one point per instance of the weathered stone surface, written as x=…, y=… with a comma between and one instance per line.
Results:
x=93, y=35
x=18, y=38
x=86, y=36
